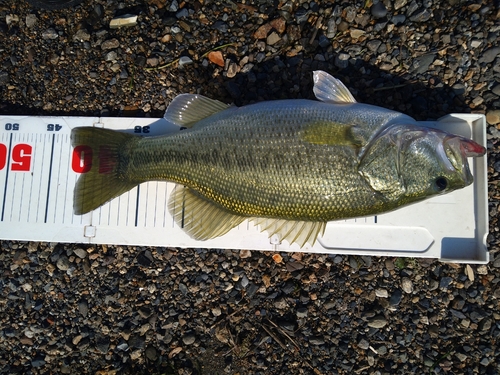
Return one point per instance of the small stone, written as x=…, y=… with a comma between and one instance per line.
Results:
x=317, y=340
x=245, y=254
x=280, y=303
x=273, y=38
x=188, y=338
x=342, y=60
x=373, y=45
x=216, y=58
x=382, y=293
x=38, y=362
x=151, y=353
x=216, y=311
x=221, y=26
x=50, y=34
x=81, y=36
x=356, y=33
x=407, y=285
x=127, y=20
x=136, y=341
x=496, y=90
x=110, y=44
x=153, y=61
x=110, y=56
x=4, y=78
x=135, y=355
x=421, y=15
x=363, y=344
x=11, y=19
x=378, y=321
x=102, y=343
x=184, y=60
x=398, y=4
x=421, y=64
x=63, y=263
x=83, y=308
x=493, y=116
x=379, y=10
x=145, y=258
x=398, y=19
x=294, y=266
x=489, y=55
x=232, y=70
x=331, y=28
x=278, y=24
x=396, y=297
x=482, y=269
x=445, y=282
x=301, y=312
x=31, y=20
x=80, y=253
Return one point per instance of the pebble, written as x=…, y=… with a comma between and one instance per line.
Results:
x=31, y=20
x=50, y=34
x=189, y=338
x=396, y=297
x=489, y=55
x=493, y=117
x=184, y=60
x=378, y=10
x=63, y=263
x=407, y=285
x=110, y=44
x=378, y=321
x=363, y=344
x=316, y=340
x=342, y=60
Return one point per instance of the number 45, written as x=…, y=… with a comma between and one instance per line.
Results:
x=53, y=127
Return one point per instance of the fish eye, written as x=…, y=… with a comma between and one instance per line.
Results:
x=441, y=183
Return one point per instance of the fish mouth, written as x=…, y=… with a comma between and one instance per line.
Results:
x=457, y=149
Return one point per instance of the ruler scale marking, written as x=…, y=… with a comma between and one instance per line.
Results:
x=50, y=176
x=137, y=206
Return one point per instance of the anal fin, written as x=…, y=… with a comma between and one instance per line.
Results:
x=199, y=217
x=300, y=232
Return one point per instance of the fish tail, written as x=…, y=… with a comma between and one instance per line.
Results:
x=101, y=157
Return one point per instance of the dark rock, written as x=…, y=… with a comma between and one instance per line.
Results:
x=379, y=10
x=136, y=341
x=396, y=297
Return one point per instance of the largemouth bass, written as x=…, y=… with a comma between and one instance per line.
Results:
x=289, y=165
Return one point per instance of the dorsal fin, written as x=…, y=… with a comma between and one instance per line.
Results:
x=330, y=90
x=199, y=217
x=187, y=109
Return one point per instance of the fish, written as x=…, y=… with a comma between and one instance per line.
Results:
x=289, y=166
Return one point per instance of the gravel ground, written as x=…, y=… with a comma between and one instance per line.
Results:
x=68, y=308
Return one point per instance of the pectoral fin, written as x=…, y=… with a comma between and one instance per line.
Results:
x=331, y=133
x=187, y=109
x=330, y=90
x=199, y=217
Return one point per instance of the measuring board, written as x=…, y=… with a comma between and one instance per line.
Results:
x=39, y=169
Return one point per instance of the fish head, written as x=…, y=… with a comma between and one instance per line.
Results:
x=417, y=163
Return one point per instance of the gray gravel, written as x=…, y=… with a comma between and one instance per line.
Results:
x=72, y=308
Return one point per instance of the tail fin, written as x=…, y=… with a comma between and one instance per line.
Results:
x=104, y=164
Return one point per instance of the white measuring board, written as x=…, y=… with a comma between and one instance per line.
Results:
x=39, y=168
